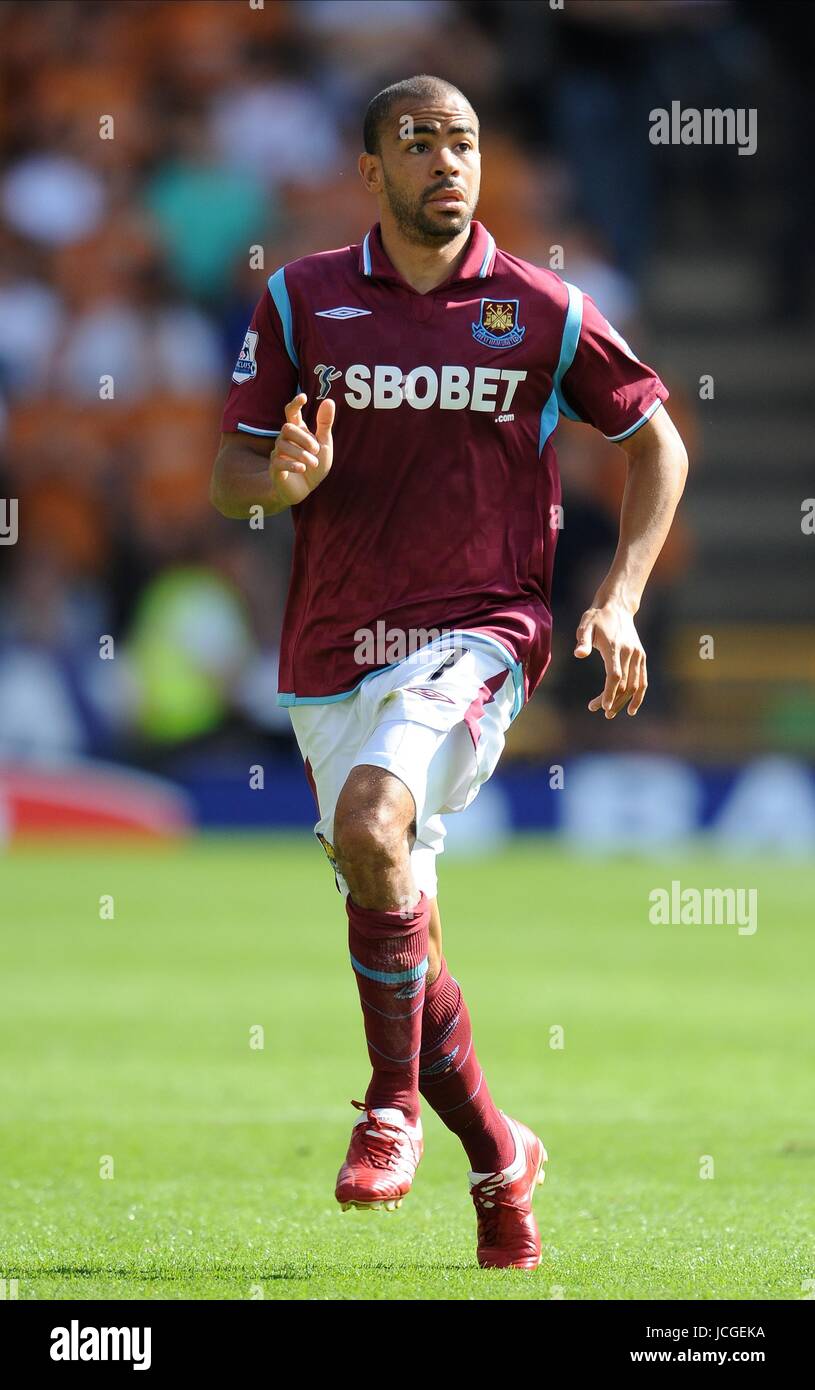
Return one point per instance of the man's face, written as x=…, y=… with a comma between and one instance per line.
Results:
x=431, y=169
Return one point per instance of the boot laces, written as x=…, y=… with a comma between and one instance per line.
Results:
x=381, y=1140
x=488, y=1206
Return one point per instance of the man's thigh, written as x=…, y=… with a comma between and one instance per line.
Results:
x=438, y=722
x=439, y=725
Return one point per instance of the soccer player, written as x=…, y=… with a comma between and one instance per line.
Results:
x=400, y=396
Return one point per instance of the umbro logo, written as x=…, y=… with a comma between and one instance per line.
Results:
x=430, y=694
x=342, y=312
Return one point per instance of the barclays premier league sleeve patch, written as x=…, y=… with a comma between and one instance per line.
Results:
x=246, y=367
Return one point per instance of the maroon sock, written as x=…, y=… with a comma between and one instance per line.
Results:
x=389, y=956
x=451, y=1080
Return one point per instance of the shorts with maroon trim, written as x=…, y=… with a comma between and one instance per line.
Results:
x=436, y=720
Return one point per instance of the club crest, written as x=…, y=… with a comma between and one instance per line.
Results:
x=498, y=325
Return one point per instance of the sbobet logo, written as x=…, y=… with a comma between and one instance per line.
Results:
x=451, y=388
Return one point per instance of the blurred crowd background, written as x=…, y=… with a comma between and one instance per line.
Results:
x=237, y=127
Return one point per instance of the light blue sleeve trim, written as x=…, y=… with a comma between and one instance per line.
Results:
x=280, y=294
x=568, y=348
x=252, y=429
x=652, y=409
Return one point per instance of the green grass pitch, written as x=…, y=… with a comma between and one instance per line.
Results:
x=129, y=1039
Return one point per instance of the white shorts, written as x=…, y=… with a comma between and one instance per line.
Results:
x=436, y=720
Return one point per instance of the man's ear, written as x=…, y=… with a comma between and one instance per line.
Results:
x=370, y=171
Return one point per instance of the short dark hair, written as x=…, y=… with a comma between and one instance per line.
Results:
x=424, y=86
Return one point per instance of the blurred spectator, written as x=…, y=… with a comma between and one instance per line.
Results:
x=31, y=320
x=259, y=124
x=207, y=211
x=188, y=646
x=51, y=198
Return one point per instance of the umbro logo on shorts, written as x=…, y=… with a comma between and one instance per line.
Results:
x=343, y=311
x=430, y=694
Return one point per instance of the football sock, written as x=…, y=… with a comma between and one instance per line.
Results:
x=451, y=1080
x=389, y=956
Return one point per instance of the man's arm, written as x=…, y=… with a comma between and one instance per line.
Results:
x=241, y=477
x=246, y=474
x=657, y=468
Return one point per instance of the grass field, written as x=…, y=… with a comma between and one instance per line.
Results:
x=130, y=1039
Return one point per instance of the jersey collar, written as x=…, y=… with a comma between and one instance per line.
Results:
x=477, y=264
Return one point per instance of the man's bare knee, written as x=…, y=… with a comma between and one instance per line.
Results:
x=371, y=823
x=368, y=834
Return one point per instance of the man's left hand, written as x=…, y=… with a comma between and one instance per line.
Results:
x=611, y=631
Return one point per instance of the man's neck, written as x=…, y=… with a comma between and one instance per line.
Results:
x=423, y=267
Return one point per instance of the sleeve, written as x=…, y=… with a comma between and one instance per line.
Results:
x=606, y=385
x=265, y=376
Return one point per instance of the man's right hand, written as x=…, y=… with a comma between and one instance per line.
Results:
x=300, y=460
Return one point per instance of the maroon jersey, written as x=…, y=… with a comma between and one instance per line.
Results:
x=441, y=510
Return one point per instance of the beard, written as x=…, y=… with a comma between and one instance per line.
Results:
x=417, y=223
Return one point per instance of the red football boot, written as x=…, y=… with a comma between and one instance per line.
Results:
x=381, y=1162
x=508, y=1236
